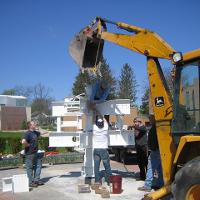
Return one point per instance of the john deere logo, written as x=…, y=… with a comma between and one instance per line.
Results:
x=159, y=101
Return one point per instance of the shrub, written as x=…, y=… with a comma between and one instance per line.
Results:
x=10, y=145
x=2, y=145
x=24, y=125
x=43, y=143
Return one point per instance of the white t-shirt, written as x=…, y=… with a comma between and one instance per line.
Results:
x=100, y=136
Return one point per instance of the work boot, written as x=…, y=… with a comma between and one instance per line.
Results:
x=39, y=183
x=145, y=189
x=33, y=185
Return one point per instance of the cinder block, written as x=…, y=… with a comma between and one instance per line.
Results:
x=84, y=188
x=7, y=184
x=20, y=183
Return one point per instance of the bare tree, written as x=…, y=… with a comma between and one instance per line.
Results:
x=24, y=91
x=38, y=97
x=41, y=92
x=41, y=99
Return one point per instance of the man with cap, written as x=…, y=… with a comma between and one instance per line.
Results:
x=100, y=144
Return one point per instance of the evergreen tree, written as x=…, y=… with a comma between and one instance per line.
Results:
x=81, y=81
x=127, y=84
x=108, y=78
x=11, y=92
x=144, y=108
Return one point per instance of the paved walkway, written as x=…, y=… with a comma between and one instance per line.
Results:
x=61, y=184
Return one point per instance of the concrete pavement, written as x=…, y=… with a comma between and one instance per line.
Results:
x=61, y=184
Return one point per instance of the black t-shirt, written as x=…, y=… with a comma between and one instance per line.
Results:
x=32, y=138
x=152, y=139
x=141, y=138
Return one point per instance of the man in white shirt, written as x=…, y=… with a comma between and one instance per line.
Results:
x=100, y=144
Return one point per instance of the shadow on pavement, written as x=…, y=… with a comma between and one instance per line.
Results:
x=46, y=179
x=71, y=174
x=128, y=159
x=122, y=173
x=125, y=174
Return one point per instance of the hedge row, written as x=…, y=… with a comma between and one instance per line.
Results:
x=11, y=145
x=53, y=159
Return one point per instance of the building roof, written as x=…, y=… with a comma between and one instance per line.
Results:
x=13, y=96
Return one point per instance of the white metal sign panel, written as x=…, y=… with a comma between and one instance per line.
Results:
x=114, y=107
x=121, y=138
x=64, y=139
x=80, y=139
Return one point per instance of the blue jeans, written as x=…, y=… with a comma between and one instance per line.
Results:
x=101, y=154
x=37, y=169
x=154, y=165
x=33, y=167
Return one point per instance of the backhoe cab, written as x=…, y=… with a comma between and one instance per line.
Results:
x=177, y=120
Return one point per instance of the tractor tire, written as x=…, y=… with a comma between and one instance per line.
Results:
x=185, y=179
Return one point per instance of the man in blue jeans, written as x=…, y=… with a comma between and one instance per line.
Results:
x=154, y=162
x=33, y=160
x=100, y=144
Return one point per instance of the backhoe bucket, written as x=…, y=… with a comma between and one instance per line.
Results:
x=86, y=50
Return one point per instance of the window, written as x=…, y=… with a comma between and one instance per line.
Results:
x=186, y=102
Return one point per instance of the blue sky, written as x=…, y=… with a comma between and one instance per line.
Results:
x=35, y=35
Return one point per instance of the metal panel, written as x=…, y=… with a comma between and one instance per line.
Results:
x=79, y=139
x=64, y=140
x=115, y=107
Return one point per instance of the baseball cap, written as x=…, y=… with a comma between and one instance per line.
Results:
x=100, y=123
x=100, y=120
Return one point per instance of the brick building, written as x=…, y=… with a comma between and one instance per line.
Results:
x=13, y=111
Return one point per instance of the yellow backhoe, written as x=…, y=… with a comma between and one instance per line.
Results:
x=177, y=118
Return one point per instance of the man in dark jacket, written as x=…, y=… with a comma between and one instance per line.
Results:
x=141, y=146
x=154, y=162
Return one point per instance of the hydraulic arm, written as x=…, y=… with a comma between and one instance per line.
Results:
x=86, y=48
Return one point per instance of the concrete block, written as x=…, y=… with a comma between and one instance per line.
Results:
x=84, y=188
x=7, y=184
x=20, y=183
